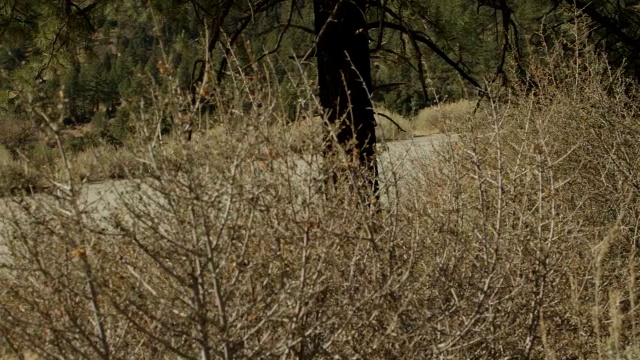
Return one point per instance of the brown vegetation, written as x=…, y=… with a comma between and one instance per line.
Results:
x=519, y=240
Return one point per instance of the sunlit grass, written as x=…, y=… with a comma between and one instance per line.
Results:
x=446, y=117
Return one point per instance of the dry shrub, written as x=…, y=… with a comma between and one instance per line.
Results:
x=303, y=134
x=18, y=179
x=392, y=126
x=18, y=138
x=102, y=163
x=540, y=198
x=16, y=134
x=443, y=117
x=6, y=159
x=14, y=177
x=517, y=241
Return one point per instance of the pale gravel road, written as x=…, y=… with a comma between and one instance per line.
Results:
x=399, y=156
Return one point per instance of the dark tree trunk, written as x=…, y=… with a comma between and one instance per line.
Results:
x=344, y=78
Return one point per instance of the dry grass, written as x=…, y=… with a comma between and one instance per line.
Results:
x=441, y=118
x=16, y=134
x=303, y=134
x=399, y=129
x=101, y=161
x=517, y=241
x=41, y=167
x=6, y=159
x=15, y=177
x=446, y=117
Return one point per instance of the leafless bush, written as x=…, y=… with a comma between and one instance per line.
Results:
x=543, y=190
x=16, y=134
x=517, y=241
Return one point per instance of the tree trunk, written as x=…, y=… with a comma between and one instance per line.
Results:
x=344, y=79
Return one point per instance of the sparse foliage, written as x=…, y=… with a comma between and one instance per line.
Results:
x=518, y=239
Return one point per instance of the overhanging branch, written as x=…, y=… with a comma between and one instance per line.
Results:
x=424, y=39
x=606, y=22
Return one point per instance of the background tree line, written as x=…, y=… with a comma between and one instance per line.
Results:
x=105, y=54
x=101, y=51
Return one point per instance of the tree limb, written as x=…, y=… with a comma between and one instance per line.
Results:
x=422, y=38
x=392, y=121
x=609, y=24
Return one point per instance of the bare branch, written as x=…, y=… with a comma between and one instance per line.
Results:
x=422, y=38
x=392, y=121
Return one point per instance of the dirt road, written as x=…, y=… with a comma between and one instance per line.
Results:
x=98, y=199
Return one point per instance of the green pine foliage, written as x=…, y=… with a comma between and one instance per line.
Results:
x=108, y=55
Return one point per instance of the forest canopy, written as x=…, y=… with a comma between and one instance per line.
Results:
x=422, y=52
